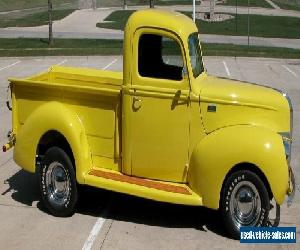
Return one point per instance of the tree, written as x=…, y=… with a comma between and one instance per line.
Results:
x=94, y=4
x=212, y=9
x=151, y=3
x=50, y=42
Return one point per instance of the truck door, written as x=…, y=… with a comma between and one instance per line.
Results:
x=159, y=112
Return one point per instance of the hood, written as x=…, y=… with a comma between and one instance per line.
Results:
x=225, y=102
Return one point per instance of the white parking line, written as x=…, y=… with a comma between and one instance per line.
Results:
x=226, y=68
x=108, y=65
x=62, y=62
x=289, y=70
x=8, y=66
x=93, y=234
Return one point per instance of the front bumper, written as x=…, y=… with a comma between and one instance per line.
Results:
x=292, y=188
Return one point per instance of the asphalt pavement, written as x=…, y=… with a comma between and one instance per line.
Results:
x=107, y=220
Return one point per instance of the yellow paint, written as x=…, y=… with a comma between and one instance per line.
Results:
x=242, y=103
x=74, y=110
x=219, y=151
x=168, y=135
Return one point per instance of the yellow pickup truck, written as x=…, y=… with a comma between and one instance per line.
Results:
x=163, y=129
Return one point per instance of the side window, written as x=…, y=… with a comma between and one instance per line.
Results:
x=159, y=57
x=195, y=54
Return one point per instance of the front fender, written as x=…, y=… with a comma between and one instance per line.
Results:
x=52, y=116
x=216, y=154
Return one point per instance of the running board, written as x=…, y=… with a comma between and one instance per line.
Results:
x=141, y=187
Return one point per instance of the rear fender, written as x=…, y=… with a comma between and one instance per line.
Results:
x=52, y=116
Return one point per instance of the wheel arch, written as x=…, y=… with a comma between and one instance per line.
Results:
x=254, y=169
x=54, y=138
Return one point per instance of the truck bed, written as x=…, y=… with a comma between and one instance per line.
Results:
x=93, y=95
x=78, y=79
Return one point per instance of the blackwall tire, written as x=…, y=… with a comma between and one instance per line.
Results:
x=244, y=202
x=58, y=183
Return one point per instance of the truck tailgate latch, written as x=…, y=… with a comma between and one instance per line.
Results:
x=10, y=143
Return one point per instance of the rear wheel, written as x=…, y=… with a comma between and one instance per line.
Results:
x=58, y=183
x=244, y=202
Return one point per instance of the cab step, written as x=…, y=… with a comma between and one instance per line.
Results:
x=141, y=187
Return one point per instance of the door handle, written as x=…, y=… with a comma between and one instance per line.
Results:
x=180, y=98
x=136, y=103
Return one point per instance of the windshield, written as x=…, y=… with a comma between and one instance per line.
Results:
x=195, y=54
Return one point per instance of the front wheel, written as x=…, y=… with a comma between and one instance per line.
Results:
x=58, y=183
x=244, y=202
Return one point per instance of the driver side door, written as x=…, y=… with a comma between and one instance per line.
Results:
x=159, y=96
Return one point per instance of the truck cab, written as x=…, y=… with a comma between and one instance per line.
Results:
x=163, y=129
x=157, y=94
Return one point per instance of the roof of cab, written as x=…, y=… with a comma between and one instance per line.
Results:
x=169, y=20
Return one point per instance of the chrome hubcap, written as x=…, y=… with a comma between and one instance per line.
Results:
x=245, y=204
x=57, y=184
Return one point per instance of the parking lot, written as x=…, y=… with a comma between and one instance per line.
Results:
x=108, y=220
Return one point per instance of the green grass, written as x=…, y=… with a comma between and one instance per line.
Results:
x=113, y=3
x=288, y=4
x=35, y=19
x=84, y=47
x=252, y=51
x=173, y=2
x=252, y=3
x=110, y=3
x=261, y=26
x=7, y=5
x=39, y=47
x=60, y=43
x=117, y=20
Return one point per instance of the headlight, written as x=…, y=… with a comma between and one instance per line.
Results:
x=287, y=137
x=287, y=143
x=291, y=113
